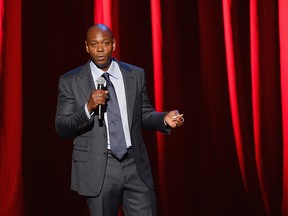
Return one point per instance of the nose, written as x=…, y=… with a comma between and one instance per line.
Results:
x=100, y=48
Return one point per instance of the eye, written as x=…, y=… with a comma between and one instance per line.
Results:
x=106, y=43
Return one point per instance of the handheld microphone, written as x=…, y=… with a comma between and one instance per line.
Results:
x=100, y=85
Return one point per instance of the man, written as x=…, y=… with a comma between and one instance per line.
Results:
x=106, y=177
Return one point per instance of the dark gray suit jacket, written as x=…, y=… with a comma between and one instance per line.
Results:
x=90, y=138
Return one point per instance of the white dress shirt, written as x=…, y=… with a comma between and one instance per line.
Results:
x=117, y=80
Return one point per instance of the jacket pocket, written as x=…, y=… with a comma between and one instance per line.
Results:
x=80, y=153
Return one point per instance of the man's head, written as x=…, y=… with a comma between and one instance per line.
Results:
x=100, y=44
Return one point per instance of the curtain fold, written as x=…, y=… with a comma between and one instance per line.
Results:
x=232, y=84
x=283, y=35
x=266, y=100
x=157, y=43
x=11, y=202
x=106, y=12
x=256, y=92
x=102, y=12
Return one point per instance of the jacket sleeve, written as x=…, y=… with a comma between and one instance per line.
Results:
x=71, y=118
x=151, y=119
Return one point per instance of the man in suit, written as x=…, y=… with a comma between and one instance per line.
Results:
x=106, y=179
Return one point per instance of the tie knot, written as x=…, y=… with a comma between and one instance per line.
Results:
x=106, y=77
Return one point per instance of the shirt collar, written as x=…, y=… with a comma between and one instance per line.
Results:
x=112, y=70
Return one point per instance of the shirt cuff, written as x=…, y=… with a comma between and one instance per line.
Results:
x=89, y=115
x=165, y=122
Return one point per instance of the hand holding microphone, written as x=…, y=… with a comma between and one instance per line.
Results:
x=98, y=98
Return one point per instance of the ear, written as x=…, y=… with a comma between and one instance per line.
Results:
x=86, y=46
x=114, y=44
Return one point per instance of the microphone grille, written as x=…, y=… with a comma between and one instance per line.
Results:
x=100, y=81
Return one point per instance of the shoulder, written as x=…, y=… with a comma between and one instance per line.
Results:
x=129, y=67
x=75, y=72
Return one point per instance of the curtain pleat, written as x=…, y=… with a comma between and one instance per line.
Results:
x=157, y=54
x=11, y=109
x=232, y=83
x=283, y=35
x=106, y=12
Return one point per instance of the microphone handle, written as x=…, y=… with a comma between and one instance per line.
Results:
x=100, y=86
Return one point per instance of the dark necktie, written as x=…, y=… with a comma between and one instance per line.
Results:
x=116, y=133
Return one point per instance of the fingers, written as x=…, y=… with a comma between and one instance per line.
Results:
x=174, y=119
x=177, y=116
x=178, y=120
x=97, y=97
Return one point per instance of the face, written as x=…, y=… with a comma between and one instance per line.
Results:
x=100, y=45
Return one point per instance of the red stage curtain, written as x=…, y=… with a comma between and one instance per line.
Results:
x=11, y=109
x=283, y=35
x=108, y=15
x=157, y=47
x=221, y=63
x=265, y=96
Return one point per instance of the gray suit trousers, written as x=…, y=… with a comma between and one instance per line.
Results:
x=123, y=187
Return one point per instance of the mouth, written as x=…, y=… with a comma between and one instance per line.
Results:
x=100, y=58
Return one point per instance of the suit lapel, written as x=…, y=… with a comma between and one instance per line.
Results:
x=86, y=85
x=130, y=90
x=85, y=81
